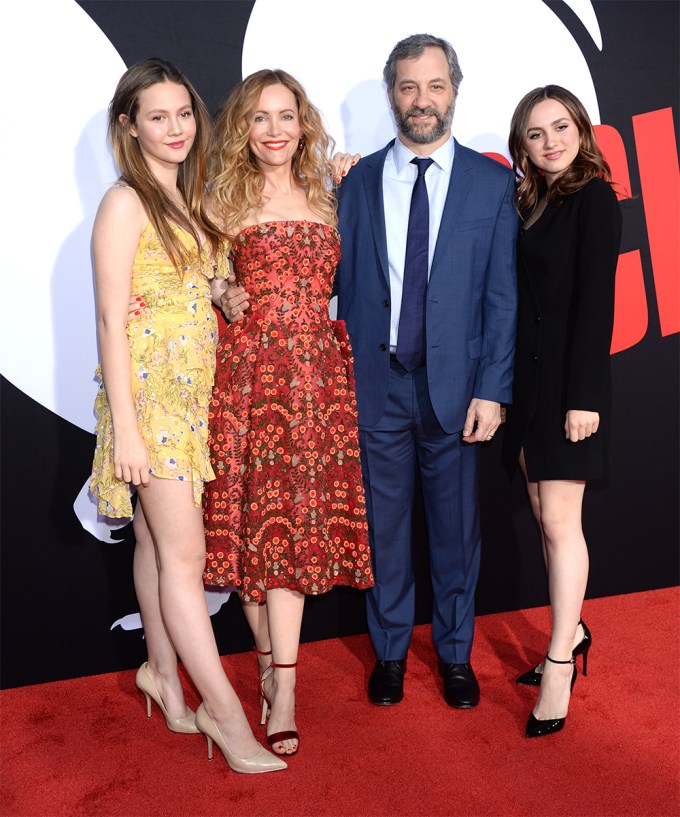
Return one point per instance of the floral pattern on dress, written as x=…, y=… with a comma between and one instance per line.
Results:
x=172, y=351
x=287, y=508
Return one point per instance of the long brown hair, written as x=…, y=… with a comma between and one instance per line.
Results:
x=134, y=171
x=236, y=180
x=589, y=161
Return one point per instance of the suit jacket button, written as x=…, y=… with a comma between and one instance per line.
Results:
x=383, y=347
x=534, y=358
x=538, y=319
x=386, y=303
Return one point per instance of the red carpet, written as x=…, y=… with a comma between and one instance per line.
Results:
x=85, y=747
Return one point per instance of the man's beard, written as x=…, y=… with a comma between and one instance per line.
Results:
x=423, y=135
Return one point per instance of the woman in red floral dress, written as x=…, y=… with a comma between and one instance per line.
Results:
x=286, y=515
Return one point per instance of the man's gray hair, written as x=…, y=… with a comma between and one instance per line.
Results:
x=412, y=48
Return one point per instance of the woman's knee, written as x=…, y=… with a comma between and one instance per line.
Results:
x=559, y=525
x=187, y=559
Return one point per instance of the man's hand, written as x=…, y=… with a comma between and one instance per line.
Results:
x=482, y=420
x=235, y=300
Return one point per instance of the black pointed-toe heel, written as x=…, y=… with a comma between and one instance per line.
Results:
x=538, y=728
x=583, y=646
x=531, y=678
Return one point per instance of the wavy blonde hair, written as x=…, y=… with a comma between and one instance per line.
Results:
x=589, y=161
x=237, y=183
x=134, y=171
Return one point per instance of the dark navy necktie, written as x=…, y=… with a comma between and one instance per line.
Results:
x=411, y=341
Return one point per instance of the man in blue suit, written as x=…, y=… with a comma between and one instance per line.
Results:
x=433, y=360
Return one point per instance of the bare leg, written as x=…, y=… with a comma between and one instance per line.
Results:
x=160, y=649
x=284, y=609
x=256, y=616
x=560, y=503
x=176, y=527
x=535, y=502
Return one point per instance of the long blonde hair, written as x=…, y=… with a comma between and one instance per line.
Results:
x=236, y=180
x=589, y=162
x=134, y=171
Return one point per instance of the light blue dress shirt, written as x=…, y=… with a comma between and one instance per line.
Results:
x=399, y=176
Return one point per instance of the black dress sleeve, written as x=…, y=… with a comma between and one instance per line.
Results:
x=599, y=238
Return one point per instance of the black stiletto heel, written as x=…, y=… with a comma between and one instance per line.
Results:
x=538, y=728
x=531, y=678
x=583, y=646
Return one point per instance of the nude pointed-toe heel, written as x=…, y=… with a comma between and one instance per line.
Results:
x=145, y=684
x=260, y=763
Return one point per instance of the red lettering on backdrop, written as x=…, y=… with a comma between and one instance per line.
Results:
x=660, y=183
x=498, y=157
x=630, y=300
x=630, y=303
x=611, y=144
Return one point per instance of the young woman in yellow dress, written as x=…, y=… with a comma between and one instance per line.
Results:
x=153, y=237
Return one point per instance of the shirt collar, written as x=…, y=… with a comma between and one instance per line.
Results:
x=442, y=157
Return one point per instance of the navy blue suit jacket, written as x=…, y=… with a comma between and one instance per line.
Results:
x=471, y=296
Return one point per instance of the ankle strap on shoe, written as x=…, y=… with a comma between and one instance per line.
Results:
x=282, y=666
x=262, y=652
x=553, y=661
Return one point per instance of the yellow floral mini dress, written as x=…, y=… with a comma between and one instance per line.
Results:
x=172, y=350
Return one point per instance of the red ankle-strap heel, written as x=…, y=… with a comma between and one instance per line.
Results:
x=261, y=677
x=276, y=737
x=264, y=701
x=265, y=653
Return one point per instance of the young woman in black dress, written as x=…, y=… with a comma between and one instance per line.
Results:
x=559, y=421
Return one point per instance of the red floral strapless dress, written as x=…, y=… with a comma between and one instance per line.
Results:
x=287, y=508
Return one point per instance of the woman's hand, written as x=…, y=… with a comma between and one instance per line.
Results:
x=131, y=457
x=235, y=300
x=135, y=307
x=341, y=164
x=581, y=424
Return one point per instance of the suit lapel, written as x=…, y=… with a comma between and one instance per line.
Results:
x=373, y=186
x=454, y=206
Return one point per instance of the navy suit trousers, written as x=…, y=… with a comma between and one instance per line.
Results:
x=408, y=436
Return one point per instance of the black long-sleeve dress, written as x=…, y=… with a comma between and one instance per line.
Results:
x=566, y=268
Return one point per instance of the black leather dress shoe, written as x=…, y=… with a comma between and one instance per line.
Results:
x=386, y=684
x=460, y=685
